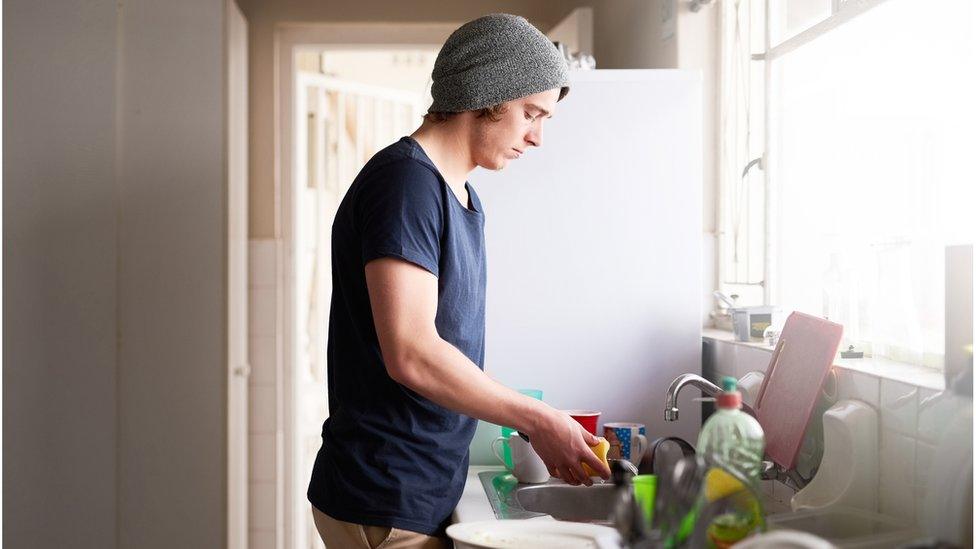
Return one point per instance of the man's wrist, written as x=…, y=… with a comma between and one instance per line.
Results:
x=538, y=414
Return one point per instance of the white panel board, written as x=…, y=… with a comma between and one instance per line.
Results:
x=594, y=251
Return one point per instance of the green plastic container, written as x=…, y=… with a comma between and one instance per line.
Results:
x=645, y=490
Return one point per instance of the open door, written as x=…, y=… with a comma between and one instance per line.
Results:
x=238, y=368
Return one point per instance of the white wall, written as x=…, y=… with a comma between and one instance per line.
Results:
x=114, y=341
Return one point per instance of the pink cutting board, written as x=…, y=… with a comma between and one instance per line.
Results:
x=797, y=370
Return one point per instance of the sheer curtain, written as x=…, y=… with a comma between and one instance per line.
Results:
x=872, y=138
x=742, y=198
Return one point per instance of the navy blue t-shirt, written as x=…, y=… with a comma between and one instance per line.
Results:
x=389, y=456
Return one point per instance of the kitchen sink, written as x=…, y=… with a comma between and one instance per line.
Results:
x=847, y=527
x=565, y=502
x=844, y=527
x=555, y=498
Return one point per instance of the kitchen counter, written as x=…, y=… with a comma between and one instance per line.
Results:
x=474, y=504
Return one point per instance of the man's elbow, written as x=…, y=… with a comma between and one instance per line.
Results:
x=405, y=367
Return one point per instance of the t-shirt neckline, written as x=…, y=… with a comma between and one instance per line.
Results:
x=475, y=208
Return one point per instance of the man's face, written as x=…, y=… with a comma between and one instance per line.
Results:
x=498, y=143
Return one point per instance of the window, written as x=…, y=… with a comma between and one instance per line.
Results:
x=869, y=165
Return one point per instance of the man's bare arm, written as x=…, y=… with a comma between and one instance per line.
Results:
x=403, y=298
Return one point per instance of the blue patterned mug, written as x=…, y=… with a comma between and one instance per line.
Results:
x=627, y=441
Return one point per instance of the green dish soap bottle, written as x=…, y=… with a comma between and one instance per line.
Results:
x=732, y=443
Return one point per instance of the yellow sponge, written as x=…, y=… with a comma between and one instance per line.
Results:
x=600, y=449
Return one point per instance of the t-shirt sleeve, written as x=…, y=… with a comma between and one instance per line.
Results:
x=399, y=214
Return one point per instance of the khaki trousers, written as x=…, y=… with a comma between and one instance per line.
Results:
x=338, y=534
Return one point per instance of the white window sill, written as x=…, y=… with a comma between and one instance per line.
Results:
x=912, y=374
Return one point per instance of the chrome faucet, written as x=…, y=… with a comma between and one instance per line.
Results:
x=706, y=387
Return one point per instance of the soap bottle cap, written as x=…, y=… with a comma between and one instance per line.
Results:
x=729, y=398
x=729, y=384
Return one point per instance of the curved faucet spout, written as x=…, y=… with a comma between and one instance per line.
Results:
x=706, y=387
x=671, y=402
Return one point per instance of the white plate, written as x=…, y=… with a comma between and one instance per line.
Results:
x=536, y=534
x=784, y=539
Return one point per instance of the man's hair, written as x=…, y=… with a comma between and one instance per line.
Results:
x=493, y=113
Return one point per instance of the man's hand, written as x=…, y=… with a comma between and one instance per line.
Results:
x=563, y=444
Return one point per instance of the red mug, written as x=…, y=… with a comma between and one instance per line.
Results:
x=586, y=418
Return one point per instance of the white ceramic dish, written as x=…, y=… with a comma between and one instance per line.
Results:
x=785, y=539
x=535, y=534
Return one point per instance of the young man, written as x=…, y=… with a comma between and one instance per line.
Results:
x=406, y=329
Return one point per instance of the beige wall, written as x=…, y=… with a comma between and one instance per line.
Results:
x=627, y=35
x=114, y=340
x=59, y=275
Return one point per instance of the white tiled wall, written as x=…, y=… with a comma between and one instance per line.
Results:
x=858, y=386
x=264, y=420
x=911, y=419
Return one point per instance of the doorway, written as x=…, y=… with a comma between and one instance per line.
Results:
x=344, y=91
x=349, y=104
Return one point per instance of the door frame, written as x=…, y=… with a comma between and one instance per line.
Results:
x=237, y=276
x=288, y=39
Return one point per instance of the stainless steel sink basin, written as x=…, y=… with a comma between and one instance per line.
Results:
x=511, y=500
x=565, y=502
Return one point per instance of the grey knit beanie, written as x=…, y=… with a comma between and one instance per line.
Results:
x=494, y=59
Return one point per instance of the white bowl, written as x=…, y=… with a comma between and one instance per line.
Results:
x=533, y=533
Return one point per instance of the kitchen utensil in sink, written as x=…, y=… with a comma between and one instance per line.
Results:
x=797, y=370
x=677, y=494
x=663, y=453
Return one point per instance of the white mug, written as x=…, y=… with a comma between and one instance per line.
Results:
x=527, y=466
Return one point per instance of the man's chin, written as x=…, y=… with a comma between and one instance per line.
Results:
x=495, y=166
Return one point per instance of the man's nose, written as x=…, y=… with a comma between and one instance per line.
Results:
x=534, y=137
